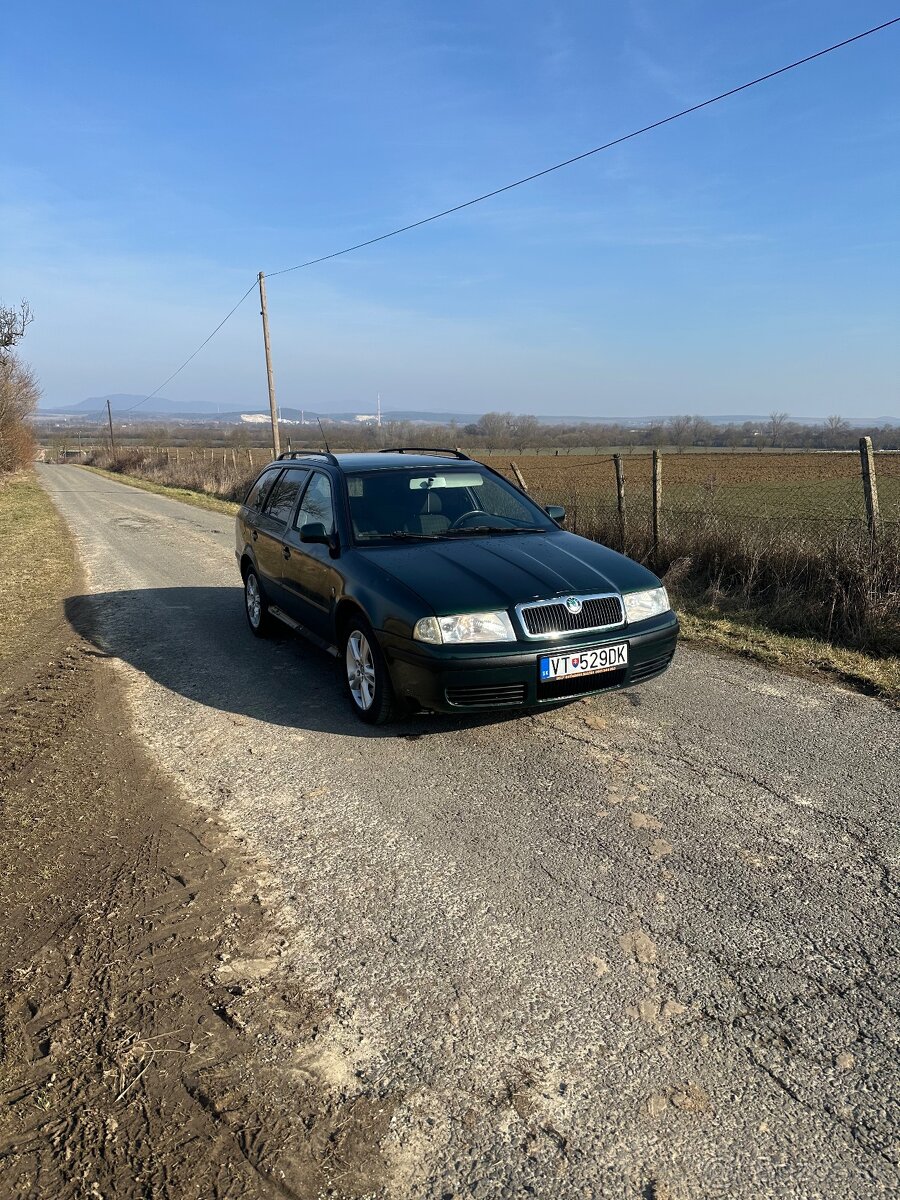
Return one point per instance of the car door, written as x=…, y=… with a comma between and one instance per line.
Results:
x=310, y=577
x=250, y=510
x=271, y=526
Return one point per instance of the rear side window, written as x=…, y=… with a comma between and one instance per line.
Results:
x=284, y=495
x=256, y=497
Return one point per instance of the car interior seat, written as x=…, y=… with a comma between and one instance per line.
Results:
x=431, y=518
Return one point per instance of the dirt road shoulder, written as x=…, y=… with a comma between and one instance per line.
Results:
x=149, y=1031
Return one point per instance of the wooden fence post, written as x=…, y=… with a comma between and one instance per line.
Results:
x=518, y=474
x=870, y=487
x=620, y=494
x=657, y=497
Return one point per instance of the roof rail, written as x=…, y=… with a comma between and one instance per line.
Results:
x=457, y=453
x=326, y=454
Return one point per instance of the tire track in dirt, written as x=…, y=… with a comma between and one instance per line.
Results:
x=148, y=1026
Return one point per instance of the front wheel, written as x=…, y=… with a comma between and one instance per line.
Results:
x=368, y=679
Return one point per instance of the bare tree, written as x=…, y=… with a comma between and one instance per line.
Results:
x=13, y=323
x=525, y=431
x=702, y=431
x=680, y=428
x=777, y=422
x=19, y=394
x=496, y=428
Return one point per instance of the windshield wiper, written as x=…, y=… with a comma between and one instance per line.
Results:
x=404, y=535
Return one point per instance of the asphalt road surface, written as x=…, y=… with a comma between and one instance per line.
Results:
x=643, y=946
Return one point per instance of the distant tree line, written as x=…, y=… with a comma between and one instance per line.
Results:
x=499, y=431
x=777, y=431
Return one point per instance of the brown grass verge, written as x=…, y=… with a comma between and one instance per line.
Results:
x=739, y=633
x=187, y=495
x=36, y=562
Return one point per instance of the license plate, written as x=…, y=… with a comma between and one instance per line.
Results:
x=584, y=662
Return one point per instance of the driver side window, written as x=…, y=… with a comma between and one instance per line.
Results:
x=317, y=504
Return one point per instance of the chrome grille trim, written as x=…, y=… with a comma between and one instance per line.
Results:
x=542, y=619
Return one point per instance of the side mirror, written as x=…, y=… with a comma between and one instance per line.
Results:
x=314, y=532
x=556, y=513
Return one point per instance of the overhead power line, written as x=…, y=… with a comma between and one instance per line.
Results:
x=191, y=357
x=626, y=137
x=568, y=162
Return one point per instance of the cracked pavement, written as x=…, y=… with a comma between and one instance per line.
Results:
x=642, y=946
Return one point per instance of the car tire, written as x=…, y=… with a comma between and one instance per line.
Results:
x=366, y=675
x=256, y=607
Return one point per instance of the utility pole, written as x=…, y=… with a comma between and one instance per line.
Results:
x=264, y=312
x=112, y=444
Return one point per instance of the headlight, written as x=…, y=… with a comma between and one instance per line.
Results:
x=469, y=627
x=641, y=605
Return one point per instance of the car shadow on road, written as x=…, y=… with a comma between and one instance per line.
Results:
x=195, y=641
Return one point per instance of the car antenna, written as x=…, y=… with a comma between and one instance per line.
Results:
x=324, y=438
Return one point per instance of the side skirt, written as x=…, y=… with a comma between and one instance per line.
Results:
x=303, y=631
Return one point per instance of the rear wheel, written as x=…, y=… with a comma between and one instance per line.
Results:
x=255, y=605
x=368, y=679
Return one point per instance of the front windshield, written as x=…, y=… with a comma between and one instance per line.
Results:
x=446, y=502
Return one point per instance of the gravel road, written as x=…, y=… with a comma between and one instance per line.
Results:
x=644, y=946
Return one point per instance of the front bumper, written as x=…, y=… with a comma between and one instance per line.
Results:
x=483, y=678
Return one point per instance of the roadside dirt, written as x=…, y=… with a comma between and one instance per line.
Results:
x=152, y=1041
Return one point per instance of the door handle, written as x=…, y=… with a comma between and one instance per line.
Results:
x=285, y=552
x=254, y=535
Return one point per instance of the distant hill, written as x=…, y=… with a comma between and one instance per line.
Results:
x=136, y=408
x=126, y=406
x=120, y=402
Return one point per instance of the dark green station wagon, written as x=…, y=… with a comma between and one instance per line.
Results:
x=439, y=585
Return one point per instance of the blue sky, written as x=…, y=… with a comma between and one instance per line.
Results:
x=743, y=259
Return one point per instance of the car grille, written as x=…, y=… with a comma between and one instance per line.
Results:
x=493, y=695
x=597, y=612
x=578, y=685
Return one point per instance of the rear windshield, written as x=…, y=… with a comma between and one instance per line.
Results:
x=446, y=502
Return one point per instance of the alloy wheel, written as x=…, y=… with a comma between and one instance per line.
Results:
x=360, y=670
x=254, y=600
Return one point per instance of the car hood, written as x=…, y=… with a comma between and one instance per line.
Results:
x=486, y=573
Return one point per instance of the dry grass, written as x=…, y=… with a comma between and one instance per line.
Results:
x=203, y=473
x=831, y=585
x=187, y=495
x=742, y=634
x=36, y=563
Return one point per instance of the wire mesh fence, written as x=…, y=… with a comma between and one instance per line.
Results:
x=787, y=536
x=789, y=493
